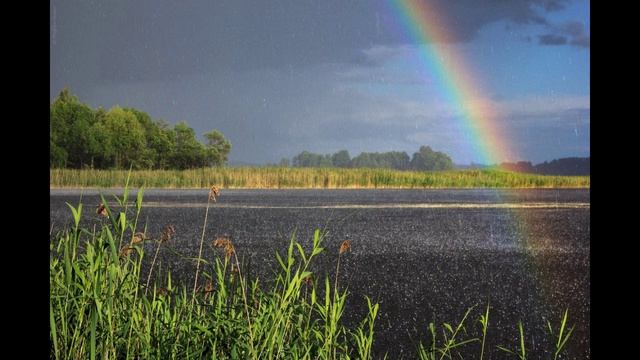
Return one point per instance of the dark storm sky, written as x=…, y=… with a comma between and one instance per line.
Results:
x=281, y=76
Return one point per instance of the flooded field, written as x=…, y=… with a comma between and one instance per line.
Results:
x=424, y=255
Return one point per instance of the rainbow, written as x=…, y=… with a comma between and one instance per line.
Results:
x=487, y=139
x=425, y=24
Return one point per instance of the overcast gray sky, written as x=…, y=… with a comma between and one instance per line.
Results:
x=281, y=76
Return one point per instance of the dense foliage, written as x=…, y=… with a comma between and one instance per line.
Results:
x=81, y=137
x=424, y=159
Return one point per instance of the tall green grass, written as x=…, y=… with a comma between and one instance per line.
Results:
x=101, y=307
x=331, y=178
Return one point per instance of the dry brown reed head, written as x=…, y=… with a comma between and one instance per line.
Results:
x=208, y=287
x=138, y=238
x=345, y=246
x=220, y=242
x=167, y=233
x=126, y=251
x=308, y=280
x=229, y=250
x=224, y=243
x=214, y=193
x=101, y=210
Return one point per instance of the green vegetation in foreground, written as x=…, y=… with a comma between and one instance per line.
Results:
x=101, y=307
x=316, y=178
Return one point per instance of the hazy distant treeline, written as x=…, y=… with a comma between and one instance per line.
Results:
x=82, y=137
x=565, y=166
x=424, y=159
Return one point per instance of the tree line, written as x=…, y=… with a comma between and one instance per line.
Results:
x=424, y=159
x=82, y=137
x=572, y=166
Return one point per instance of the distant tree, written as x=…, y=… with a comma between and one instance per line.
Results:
x=364, y=160
x=189, y=152
x=341, y=159
x=399, y=159
x=565, y=166
x=424, y=159
x=302, y=160
x=162, y=144
x=390, y=160
x=143, y=119
x=427, y=159
x=148, y=157
x=307, y=159
x=124, y=138
x=325, y=161
x=101, y=150
x=70, y=138
x=57, y=155
x=284, y=162
x=218, y=148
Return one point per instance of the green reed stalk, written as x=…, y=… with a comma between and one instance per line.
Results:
x=204, y=227
x=484, y=321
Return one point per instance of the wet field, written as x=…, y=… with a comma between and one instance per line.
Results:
x=424, y=255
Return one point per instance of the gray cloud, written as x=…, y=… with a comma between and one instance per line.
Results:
x=551, y=5
x=121, y=40
x=584, y=41
x=577, y=33
x=572, y=28
x=571, y=33
x=552, y=39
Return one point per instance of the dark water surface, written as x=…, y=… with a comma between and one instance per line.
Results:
x=424, y=255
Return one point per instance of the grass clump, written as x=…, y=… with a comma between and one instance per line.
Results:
x=99, y=307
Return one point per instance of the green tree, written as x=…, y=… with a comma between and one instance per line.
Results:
x=324, y=160
x=427, y=159
x=57, y=155
x=162, y=145
x=101, y=151
x=306, y=159
x=189, y=152
x=341, y=159
x=218, y=148
x=123, y=138
x=366, y=160
x=148, y=157
x=398, y=159
x=70, y=138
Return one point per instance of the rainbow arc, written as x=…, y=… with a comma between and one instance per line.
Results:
x=424, y=24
